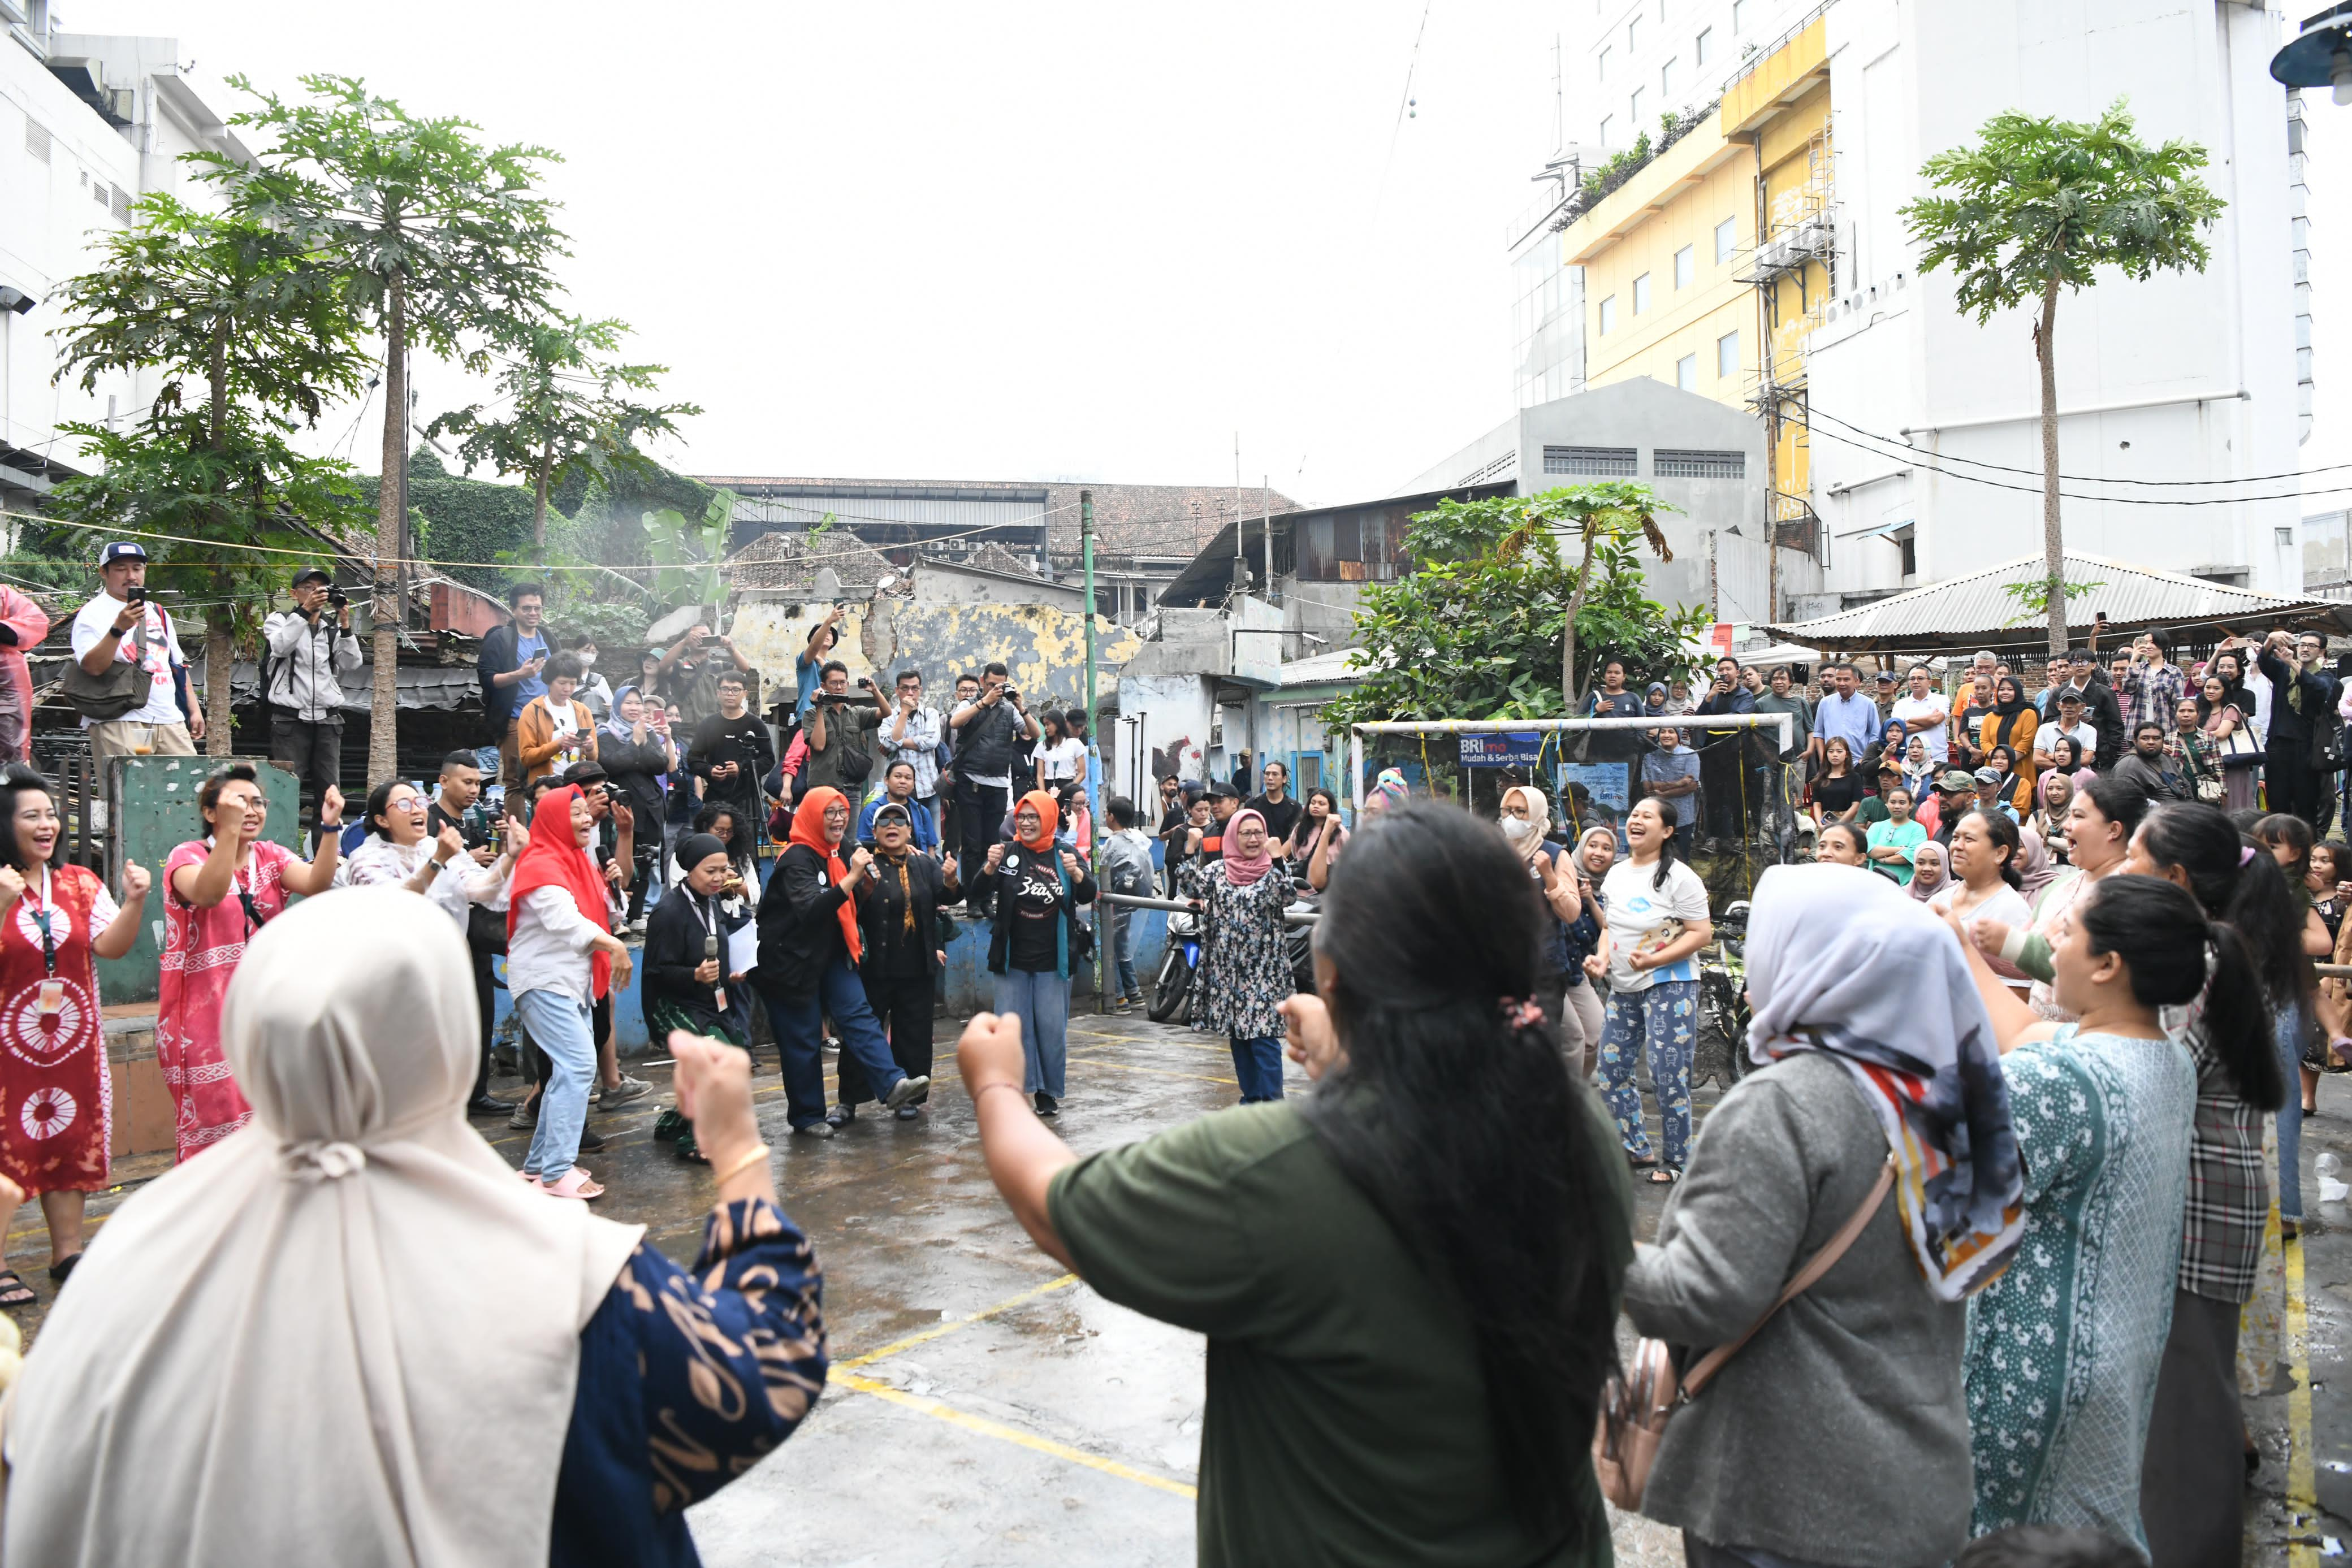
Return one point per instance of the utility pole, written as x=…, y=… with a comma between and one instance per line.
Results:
x=1266, y=522
x=1094, y=745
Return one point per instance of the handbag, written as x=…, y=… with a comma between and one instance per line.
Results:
x=111, y=695
x=2241, y=750
x=1638, y=1403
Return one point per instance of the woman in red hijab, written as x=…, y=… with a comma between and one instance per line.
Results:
x=1037, y=888
x=561, y=956
x=809, y=953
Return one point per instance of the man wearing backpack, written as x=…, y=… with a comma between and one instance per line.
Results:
x=130, y=715
x=308, y=647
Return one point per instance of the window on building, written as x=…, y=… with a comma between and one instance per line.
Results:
x=1703, y=45
x=1686, y=265
x=1686, y=372
x=1600, y=462
x=1608, y=122
x=1666, y=79
x=1601, y=63
x=1636, y=102
x=1726, y=240
x=1641, y=293
x=1669, y=463
x=1739, y=9
x=1632, y=33
x=1608, y=315
x=1910, y=550
x=1726, y=354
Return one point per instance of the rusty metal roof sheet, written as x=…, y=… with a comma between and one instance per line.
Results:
x=1973, y=611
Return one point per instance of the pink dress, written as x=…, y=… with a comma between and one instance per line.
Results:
x=201, y=951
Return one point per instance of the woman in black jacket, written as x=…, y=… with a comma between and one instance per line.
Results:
x=687, y=981
x=810, y=952
x=905, y=948
x=1036, y=888
x=634, y=755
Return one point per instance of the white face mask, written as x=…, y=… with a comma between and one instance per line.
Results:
x=587, y=661
x=1519, y=830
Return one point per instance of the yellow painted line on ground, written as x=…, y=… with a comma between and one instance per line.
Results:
x=1005, y=1434
x=2302, y=1492
x=1095, y=1061
x=927, y=1335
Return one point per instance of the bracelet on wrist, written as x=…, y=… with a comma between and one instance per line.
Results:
x=750, y=1156
x=981, y=1092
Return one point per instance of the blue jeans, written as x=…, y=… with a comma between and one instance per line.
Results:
x=2288, y=1033
x=799, y=1023
x=1664, y=1021
x=559, y=1026
x=1257, y=1068
x=1041, y=1000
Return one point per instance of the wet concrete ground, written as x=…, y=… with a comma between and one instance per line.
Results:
x=985, y=1408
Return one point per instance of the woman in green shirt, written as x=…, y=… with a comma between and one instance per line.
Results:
x=1409, y=1280
x=1893, y=841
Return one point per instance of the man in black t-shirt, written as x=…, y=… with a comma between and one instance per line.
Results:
x=732, y=752
x=457, y=804
x=1280, y=810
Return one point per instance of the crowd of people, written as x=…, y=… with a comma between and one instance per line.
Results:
x=2020, y=1122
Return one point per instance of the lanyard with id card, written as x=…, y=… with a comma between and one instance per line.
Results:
x=52, y=993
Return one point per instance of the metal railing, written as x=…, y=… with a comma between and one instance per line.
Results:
x=1177, y=905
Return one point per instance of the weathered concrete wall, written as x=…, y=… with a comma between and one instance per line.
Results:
x=1175, y=710
x=1045, y=648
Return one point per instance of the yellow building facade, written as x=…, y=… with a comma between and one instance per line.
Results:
x=1707, y=268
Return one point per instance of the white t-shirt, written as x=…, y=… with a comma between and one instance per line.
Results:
x=1060, y=759
x=1937, y=737
x=2086, y=738
x=162, y=706
x=1636, y=907
x=2007, y=906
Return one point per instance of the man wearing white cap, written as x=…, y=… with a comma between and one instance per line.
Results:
x=122, y=625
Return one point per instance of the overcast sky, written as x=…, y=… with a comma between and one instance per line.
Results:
x=1044, y=241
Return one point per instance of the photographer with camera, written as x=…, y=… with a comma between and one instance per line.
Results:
x=146, y=708
x=732, y=752
x=837, y=724
x=305, y=648
x=992, y=733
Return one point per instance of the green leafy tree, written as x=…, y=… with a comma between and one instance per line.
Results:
x=442, y=242
x=2037, y=206
x=1481, y=626
x=565, y=411
x=250, y=335
x=688, y=550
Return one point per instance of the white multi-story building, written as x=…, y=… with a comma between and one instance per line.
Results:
x=1758, y=257
x=88, y=125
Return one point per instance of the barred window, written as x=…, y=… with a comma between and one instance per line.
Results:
x=1604, y=461
x=36, y=140
x=1670, y=465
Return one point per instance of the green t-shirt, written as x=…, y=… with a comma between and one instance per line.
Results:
x=1874, y=811
x=1347, y=1416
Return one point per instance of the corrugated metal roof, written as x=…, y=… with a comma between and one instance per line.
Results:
x=1973, y=610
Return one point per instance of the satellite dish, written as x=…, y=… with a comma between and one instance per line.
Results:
x=673, y=624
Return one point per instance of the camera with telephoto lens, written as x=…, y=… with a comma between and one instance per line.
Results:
x=337, y=598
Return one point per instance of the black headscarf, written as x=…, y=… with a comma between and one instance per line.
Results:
x=2009, y=707
x=696, y=848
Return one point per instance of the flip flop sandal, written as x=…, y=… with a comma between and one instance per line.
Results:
x=574, y=1183
x=63, y=1266
x=1664, y=1175
x=13, y=1291
x=1641, y=1161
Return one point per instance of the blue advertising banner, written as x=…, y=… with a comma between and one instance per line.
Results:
x=1501, y=750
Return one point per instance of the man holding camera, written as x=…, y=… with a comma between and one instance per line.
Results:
x=307, y=648
x=732, y=751
x=992, y=735
x=123, y=625
x=509, y=662
x=835, y=726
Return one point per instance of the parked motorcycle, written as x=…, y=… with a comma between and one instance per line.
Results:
x=1171, y=990
x=1723, y=1013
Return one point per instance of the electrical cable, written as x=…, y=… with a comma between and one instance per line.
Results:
x=1919, y=457
x=1904, y=444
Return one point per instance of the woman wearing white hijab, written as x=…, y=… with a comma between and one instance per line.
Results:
x=348, y=1335
x=1562, y=990
x=1839, y=1433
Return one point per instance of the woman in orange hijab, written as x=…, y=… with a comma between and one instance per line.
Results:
x=561, y=956
x=1039, y=886
x=809, y=953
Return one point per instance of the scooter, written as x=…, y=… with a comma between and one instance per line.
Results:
x=1723, y=1012
x=1171, y=992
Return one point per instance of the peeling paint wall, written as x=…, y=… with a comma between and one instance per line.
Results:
x=1045, y=648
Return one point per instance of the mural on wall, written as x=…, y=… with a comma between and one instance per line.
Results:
x=1045, y=648
x=1180, y=758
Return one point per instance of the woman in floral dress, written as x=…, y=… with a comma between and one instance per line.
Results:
x=2063, y=1349
x=57, y=1105
x=1245, y=969
x=217, y=891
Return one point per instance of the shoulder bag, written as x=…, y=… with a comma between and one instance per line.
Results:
x=123, y=688
x=1638, y=1403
